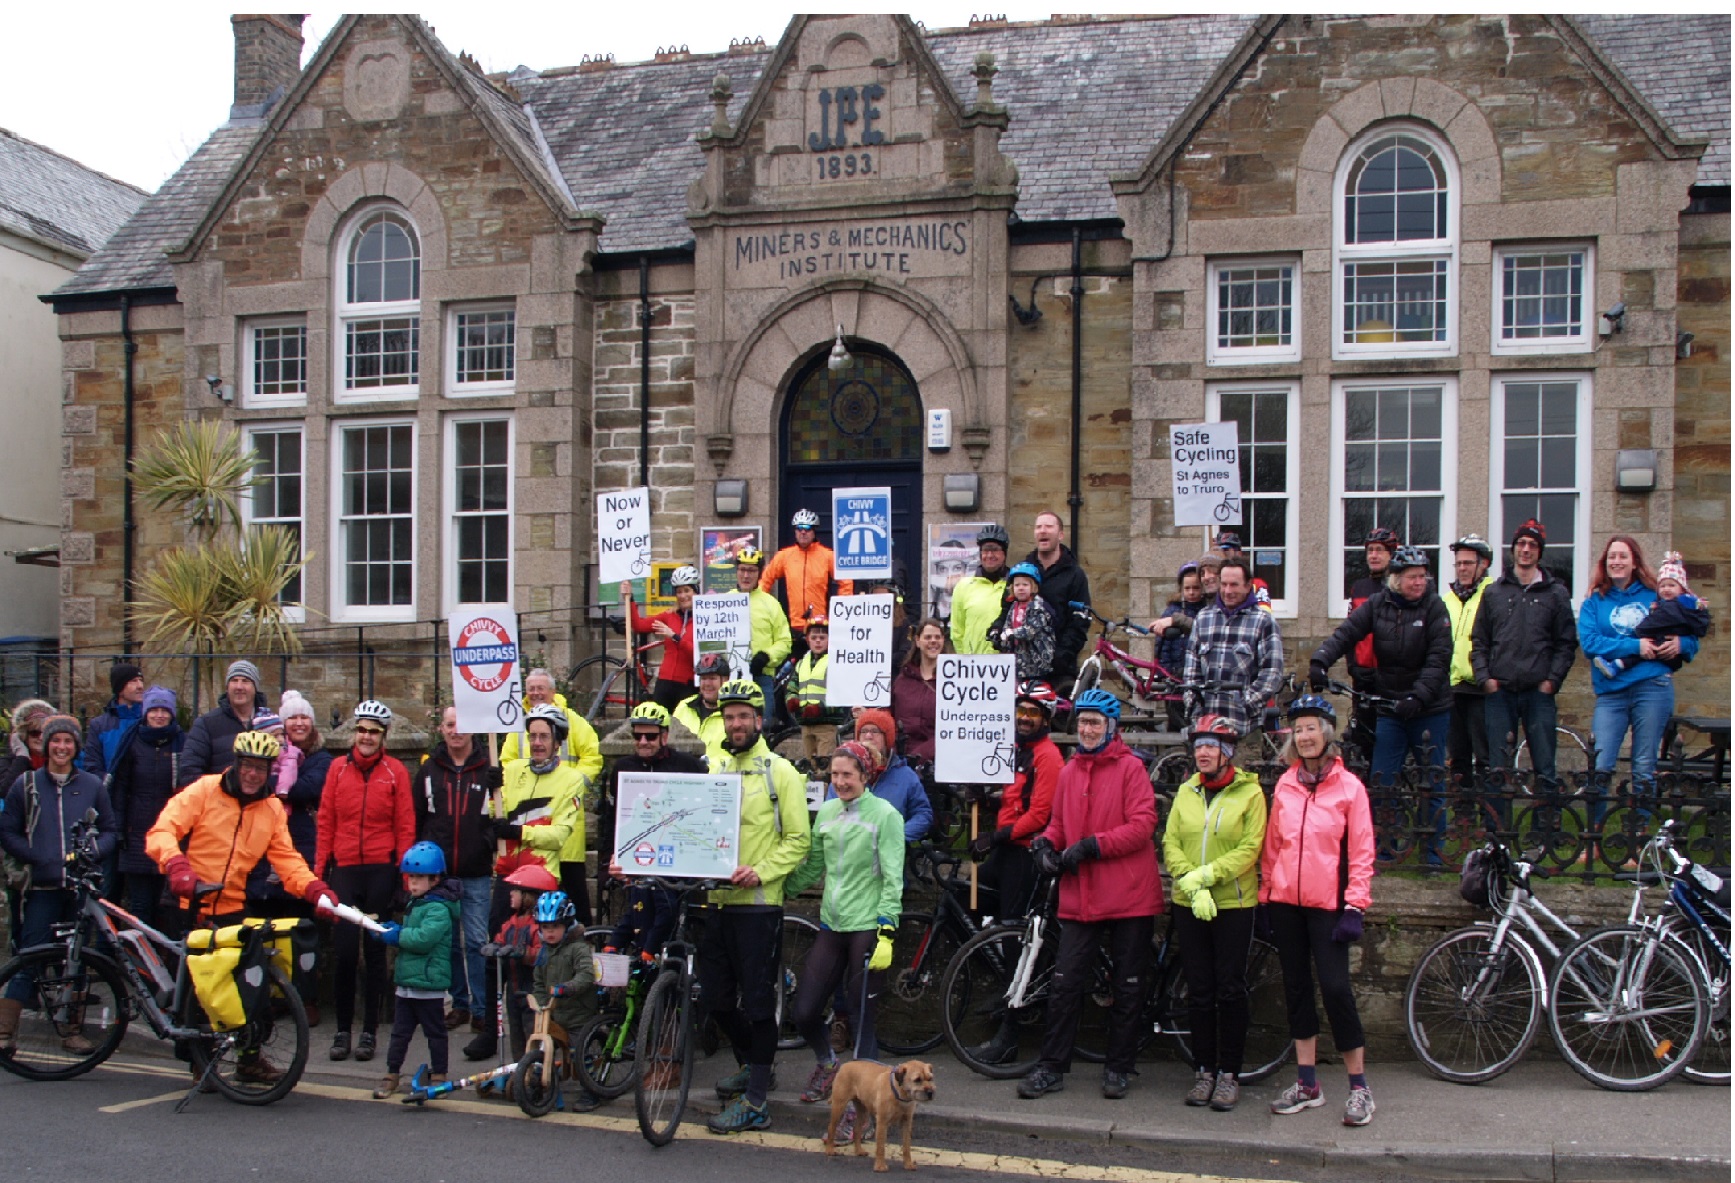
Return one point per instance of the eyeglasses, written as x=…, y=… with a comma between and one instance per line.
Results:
x=370, y=731
x=33, y=733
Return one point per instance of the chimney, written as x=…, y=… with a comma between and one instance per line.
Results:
x=267, y=61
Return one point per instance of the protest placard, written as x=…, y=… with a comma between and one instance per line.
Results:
x=975, y=736
x=722, y=623
x=1205, y=470
x=487, y=677
x=623, y=535
x=861, y=523
x=677, y=825
x=859, y=672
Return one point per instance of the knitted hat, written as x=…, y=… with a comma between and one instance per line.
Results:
x=878, y=717
x=160, y=696
x=1673, y=568
x=1531, y=529
x=119, y=674
x=265, y=720
x=861, y=754
x=58, y=724
x=295, y=706
x=243, y=669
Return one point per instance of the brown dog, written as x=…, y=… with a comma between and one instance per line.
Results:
x=886, y=1095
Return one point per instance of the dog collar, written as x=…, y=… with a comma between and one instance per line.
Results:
x=892, y=1077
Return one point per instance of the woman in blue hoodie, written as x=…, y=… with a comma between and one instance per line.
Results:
x=1641, y=696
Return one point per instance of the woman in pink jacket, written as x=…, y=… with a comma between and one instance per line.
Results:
x=1319, y=821
x=1099, y=841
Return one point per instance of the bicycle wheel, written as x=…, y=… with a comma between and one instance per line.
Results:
x=536, y=1092
x=1572, y=763
x=1267, y=1046
x=601, y=684
x=665, y=1059
x=907, y=1015
x=989, y=1037
x=1711, y=1064
x=62, y=1006
x=262, y=1061
x=604, y=1057
x=798, y=935
x=1629, y=1010
x=1472, y=1010
x=1169, y=771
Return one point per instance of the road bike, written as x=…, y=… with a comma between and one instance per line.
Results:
x=907, y=1021
x=606, y=687
x=106, y=967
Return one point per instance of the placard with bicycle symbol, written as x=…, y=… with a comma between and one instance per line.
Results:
x=975, y=733
x=677, y=825
x=1205, y=468
x=487, y=674
x=859, y=670
x=623, y=535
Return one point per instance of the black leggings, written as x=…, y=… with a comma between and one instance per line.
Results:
x=740, y=954
x=369, y=887
x=1214, y=960
x=838, y=957
x=669, y=695
x=1305, y=949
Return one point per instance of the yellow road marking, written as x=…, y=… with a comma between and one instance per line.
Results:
x=143, y=1102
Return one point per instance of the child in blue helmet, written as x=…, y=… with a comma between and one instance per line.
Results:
x=565, y=978
x=424, y=966
x=1026, y=626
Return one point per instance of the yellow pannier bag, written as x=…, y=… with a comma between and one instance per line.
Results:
x=227, y=966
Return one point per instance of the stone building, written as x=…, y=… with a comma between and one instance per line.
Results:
x=448, y=308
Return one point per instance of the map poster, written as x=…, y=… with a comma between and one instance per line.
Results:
x=677, y=825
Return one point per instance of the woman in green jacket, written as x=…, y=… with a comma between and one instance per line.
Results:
x=1211, y=847
x=858, y=847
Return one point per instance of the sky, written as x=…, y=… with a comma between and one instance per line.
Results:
x=131, y=90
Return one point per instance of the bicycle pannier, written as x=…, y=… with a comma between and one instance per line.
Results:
x=1476, y=881
x=227, y=966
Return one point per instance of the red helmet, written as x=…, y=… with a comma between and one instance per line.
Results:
x=533, y=876
x=1381, y=536
x=1040, y=693
x=1214, y=727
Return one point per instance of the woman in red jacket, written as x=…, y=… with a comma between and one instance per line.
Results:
x=1099, y=840
x=675, y=629
x=1314, y=879
x=366, y=822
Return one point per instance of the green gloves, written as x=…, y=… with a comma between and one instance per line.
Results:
x=1204, y=906
x=1196, y=880
x=882, y=958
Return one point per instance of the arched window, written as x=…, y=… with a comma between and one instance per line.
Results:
x=379, y=326
x=1396, y=246
x=868, y=411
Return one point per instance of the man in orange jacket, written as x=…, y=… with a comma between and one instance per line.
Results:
x=806, y=570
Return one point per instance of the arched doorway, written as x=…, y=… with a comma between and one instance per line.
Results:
x=860, y=426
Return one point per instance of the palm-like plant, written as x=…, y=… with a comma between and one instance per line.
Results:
x=255, y=572
x=197, y=468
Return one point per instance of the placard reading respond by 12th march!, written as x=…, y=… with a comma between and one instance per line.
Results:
x=723, y=623
x=859, y=673
x=975, y=734
x=677, y=825
x=487, y=679
x=1205, y=466
x=623, y=535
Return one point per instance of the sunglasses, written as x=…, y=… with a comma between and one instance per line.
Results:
x=370, y=731
x=34, y=733
x=647, y=737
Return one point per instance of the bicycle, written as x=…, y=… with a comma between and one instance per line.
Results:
x=604, y=683
x=1573, y=762
x=106, y=967
x=1149, y=682
x=663, y=1058
x=1697, y=914
x=908, y=1019
x=604, y=1053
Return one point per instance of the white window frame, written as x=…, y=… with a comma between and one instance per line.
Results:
x=453, y=383
x=1242, y=355
x=1396, y=252
x=298, y=612
x=1583, y=342
x=346, y=314
x=341, y=610
x=251, y=399
x=1337, y=595
x=1288, y=607
x=1583, y=460
x=449, y=503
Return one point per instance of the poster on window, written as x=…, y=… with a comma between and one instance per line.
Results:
x=722, y=623
x=1205, y=465
x=859, y=672
x=718, y=546
x=862, y=522
x=975, y=740
x=951, y=557
x=487, y=675
x=623, y=535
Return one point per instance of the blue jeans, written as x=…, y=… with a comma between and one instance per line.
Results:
x=44, y=907
x=1393, y=741
x=469, y=967
x=1505, y=711
x=1644, y=708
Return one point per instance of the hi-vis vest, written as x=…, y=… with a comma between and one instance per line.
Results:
x=809, y=694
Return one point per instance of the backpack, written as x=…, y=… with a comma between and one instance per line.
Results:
x=1476, y=882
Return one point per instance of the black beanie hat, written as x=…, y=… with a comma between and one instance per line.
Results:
x=119, y=674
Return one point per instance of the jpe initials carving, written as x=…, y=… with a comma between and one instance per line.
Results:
x=842, y=108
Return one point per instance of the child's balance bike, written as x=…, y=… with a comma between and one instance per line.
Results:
x=547, y=1063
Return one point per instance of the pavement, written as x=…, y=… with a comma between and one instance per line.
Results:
x=1541, y=1121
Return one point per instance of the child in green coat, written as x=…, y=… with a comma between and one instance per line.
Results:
x=424, y=966
x=565, y=978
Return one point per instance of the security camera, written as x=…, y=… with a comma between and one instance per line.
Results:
x=218, y=390
x=1613, y=320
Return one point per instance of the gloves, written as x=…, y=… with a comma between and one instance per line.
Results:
x=1408, y=707
x=1204, y=906
x=508, y=831
x=493, y=777
x=1262, y=924
x=1196, y=880
x=319, y=893
x=182, y=881
x=1317, y=677
x=759, y=662
x=1047, y=858
x=882, y=958
x=1348, y=927
x=560, y=990
x=492, y=949
x=392, y=934
x=1078, y=852
x=987, y=841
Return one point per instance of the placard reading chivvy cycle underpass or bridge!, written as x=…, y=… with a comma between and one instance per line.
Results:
x=677, y=825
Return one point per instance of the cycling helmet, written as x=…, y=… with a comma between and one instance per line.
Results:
x=1408, y=556
x=684, y=577
x=996, y=533
x=424, y=858
x=534, y=877
x=375, y=710
x=1228, y=540
x=805, y=519
x=651, y=712
x=714, y=663
x=742, y=690
x=552, y=715
x=1214, y=727
x=818, y=621
x=556, y=907
x=1100, y=701
x=257, y=745
x=1380, y=536
x=1040, y=693
x=750, y=556
x=1476, y=543
x=1030, y=569
x=1315, y=705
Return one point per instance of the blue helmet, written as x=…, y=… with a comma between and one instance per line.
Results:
x=1316, y=705
x=555, y=907
x=424, y=858
x=1100, y=701
x=1030, y=569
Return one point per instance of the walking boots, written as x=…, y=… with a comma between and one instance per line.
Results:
x=10, y=1010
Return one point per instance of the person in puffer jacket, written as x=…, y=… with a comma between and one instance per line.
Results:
x=1099, y=841
x=1315, y=878
x=143, y=779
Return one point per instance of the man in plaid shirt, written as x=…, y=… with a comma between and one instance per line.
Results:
x=1236, y=651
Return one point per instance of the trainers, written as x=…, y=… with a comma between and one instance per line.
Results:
x=1359, y=1109
x=258, y=1070
x=1203, y=1084
x=1227, y=1092
x=846, y=1126
x=819, y=1083
x=739, y=1117
x=364, y=1047
x=1114, y=1084
x=456, y=1019
x=998, y=1050
x=1297, y=1097
x=1042, y=1079
x=340, y=1046
x=1604, y=667
x=200, y=1081
x=387, y=1086
x=733, y=1085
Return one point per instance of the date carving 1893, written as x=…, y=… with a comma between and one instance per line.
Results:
x=842, y=109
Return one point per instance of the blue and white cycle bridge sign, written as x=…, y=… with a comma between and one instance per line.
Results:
x=862, y=525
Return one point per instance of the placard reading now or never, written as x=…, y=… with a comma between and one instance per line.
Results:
x=975, y=734
x=623, y=535
x=1205, y=466
x=677, y=825
x=487, y=677
x=723, y=623
x=859, y=673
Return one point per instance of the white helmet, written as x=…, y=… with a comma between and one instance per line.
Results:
x=552, y=715
x=684, y=577
x=805, y=519
x=376, y=710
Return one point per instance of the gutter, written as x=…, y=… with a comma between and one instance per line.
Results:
x=130, y=348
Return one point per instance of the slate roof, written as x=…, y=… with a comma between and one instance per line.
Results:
x=1680, y=64
x=58, y=202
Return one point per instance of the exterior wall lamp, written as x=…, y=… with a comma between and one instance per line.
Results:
x=963, y=492
x=729, y=498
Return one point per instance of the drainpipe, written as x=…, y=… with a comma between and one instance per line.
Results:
x=1073, y=499
x=129, y=347
x=644, y=370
